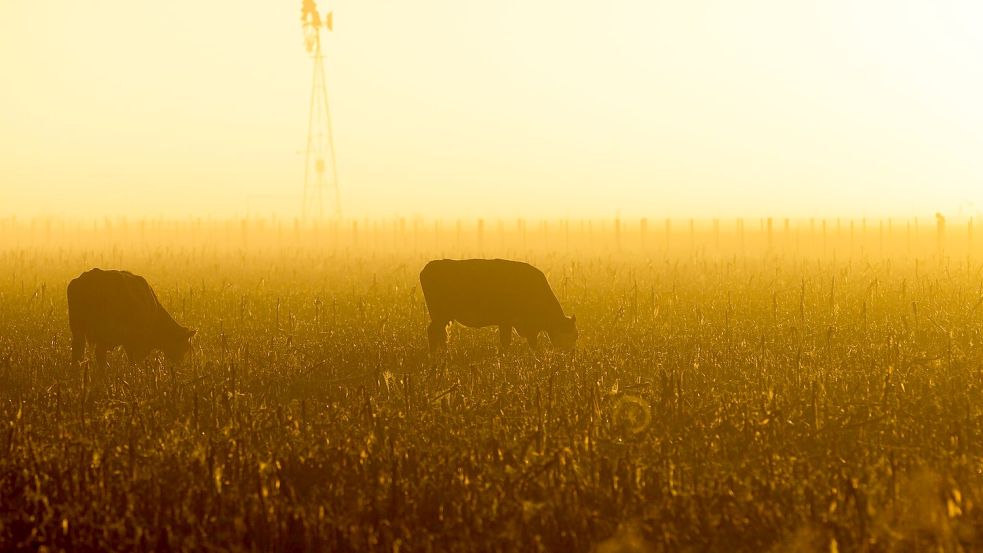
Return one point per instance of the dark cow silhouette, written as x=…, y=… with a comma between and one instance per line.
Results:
x=117, y=308
x=486, y=292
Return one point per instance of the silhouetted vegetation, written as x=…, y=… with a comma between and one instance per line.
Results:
x=781, y=391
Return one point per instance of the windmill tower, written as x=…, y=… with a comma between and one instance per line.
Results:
x=320, y=169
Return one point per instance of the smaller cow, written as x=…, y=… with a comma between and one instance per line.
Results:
x=487, y=292
x=117, y=308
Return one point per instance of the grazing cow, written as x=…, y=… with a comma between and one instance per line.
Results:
x=485, y=292
x=117, y=308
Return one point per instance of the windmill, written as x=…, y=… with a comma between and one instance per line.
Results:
x=320, y=156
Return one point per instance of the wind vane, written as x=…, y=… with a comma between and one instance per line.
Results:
x=320, y=141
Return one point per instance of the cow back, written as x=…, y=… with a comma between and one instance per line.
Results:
x=113, y=305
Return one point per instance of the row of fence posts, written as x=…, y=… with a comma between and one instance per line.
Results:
x=370, y=233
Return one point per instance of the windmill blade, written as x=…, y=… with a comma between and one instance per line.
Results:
x=308, y=13
x=329, y=20
x=307, y=7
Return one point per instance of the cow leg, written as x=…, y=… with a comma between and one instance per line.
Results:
x=78, y=336
x=78, y=346
x=135, y=355
x=533, y=338
x=101, y=351
x=437, y=335
x=505, y=335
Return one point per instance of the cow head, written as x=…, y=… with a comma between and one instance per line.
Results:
x=179, y=344
x=565, y=334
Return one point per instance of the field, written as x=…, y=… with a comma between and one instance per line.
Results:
x=738, y=386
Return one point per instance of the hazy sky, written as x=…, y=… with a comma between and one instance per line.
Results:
x=513, y=107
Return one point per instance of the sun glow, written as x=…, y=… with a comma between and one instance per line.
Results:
x=449, y=108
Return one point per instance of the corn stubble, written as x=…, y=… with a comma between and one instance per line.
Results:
x=731, y=391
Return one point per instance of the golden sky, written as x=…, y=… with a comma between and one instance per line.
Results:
x=515, y=107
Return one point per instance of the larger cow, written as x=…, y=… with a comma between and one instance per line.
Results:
x=487, y=292
x=117, y=308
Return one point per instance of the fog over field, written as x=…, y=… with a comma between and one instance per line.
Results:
x=525, y=275
x=733, y=388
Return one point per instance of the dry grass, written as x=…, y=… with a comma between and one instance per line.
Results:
x=736, y=395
